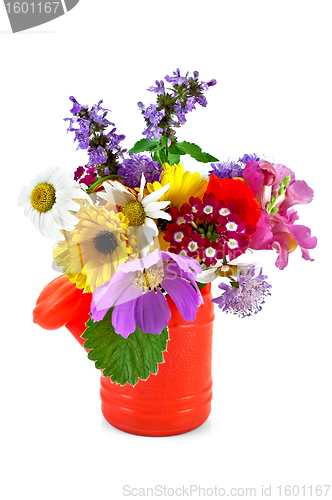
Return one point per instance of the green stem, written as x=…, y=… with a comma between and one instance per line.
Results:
x=100, y=180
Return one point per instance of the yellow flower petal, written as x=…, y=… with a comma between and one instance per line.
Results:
x=183, y=185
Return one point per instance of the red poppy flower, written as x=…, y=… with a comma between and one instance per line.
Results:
x=237, y=192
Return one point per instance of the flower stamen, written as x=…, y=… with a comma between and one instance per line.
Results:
x=43, y=197
x=135, y=213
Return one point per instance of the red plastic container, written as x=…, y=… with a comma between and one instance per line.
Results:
x=178, y=398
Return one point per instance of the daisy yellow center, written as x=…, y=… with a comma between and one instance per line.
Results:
x=149, y=279
x=105, y=242
x=135, y=213
x=43, y=197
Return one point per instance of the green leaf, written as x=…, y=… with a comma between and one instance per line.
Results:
x=124, y=360
x=175, y=150
x=195, y=151
x=173, y=159
x=160, y=156
x=144, y=145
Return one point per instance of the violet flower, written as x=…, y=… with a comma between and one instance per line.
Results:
x=135, y=291
x=132, y=169
x=226, y=170
x=245, y=296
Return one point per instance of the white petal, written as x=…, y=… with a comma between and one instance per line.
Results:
x=144, y=236
x=159, y=214
x=141, y=189
x=43, y=177
x=60, y=178
x=68, y=204
x=48, y=226
x=68, y=220
x=70, y=192
x=151, y=224
x=24, y=197
x=155, y=195
x=35, y=219
x=116, y=194
x=156, y=205
x=207, y=276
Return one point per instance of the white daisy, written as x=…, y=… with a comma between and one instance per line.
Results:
x=139, y=210
x=48, y=199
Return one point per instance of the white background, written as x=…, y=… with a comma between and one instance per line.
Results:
x=271, y=414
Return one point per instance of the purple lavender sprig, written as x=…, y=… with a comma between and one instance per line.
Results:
x=90, y=126
x=172, y=107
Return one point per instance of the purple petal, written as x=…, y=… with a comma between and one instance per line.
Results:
x=141, y=264
x=152, y=312
x=108, y=293
x=184, y=296
x=123, y=318
x=97, y=314
x=174, y=272
x=183, y=262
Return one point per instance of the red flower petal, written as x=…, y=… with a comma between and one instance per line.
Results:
x=235, y=190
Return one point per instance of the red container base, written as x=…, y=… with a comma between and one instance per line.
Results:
x=177, y=416
x=178, y=398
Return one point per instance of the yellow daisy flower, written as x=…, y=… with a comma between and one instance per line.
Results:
x=92, y=252
x=183, y=185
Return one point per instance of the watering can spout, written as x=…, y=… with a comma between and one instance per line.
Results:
x=62, y=304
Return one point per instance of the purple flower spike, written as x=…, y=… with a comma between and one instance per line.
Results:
x=135, y=290
x=172, y=106
x=89, y=126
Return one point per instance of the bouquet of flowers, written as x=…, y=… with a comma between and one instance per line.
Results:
x=134, y=226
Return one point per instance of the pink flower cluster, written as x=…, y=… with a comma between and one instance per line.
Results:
x=277, y=191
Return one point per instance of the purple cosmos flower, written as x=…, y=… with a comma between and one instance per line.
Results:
x=226, y=170
x=135, y=289
x=132, y=169
x=245, y=296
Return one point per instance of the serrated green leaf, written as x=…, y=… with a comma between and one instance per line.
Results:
x=175, y=150
x=144, y=145
x=124, y=360
x=173, y=159
x=195, y=151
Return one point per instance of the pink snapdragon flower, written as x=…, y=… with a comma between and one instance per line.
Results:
x=275, y=188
